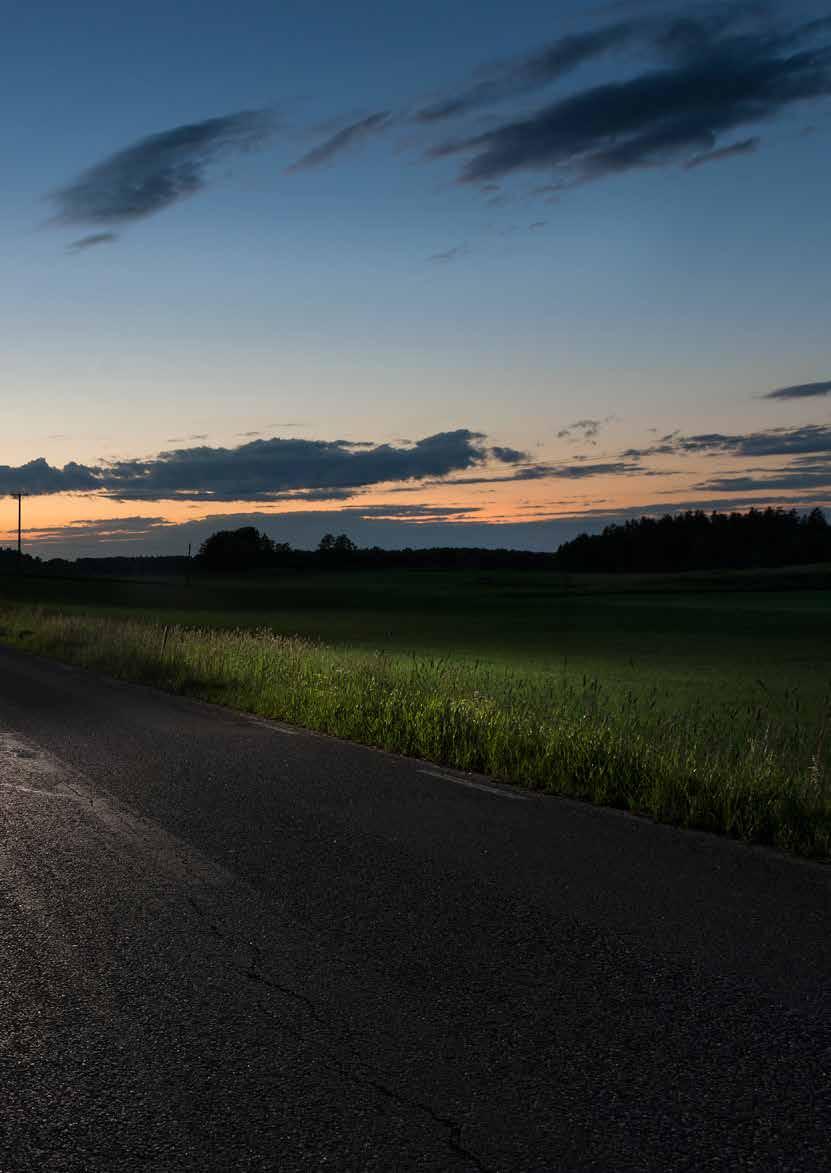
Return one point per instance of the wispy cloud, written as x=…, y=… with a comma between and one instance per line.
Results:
x=509, y=79
x=801, y=391
x=713, y=85
x=807, y=440
x=580, y=430
x=92, y=241
x=746, y=147
x=108, y=529
x=451, y=254
x=543, y=472
x=157, y=171
x=797, y=476
x=349, y=136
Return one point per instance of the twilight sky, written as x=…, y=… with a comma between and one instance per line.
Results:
x=434, y=273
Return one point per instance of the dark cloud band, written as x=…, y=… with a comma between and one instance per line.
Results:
x=262, y=470
x=810, y=440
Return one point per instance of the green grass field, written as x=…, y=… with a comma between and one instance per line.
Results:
x=701, y=700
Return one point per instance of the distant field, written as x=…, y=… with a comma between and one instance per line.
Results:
x=719, y=685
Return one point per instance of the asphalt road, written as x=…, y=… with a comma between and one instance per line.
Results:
x=227, y=945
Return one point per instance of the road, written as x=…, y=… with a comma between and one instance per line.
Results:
x=230, y=945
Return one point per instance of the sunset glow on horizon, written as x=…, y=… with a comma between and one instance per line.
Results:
x=425, y=280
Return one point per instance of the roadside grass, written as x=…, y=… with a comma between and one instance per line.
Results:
x=751, y=762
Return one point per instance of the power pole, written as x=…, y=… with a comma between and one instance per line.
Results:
x=19, y=532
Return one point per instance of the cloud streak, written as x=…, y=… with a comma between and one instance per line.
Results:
x=809, y=440
x=158, y=171
x=451, y=254
x=745, y=147
x=544, y=472
x=797, y=477
x=801, y=391
x=350, y=136
x=714, y=87
x=91, y=241
x=521, y=76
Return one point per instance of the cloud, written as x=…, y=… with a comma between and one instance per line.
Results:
x=157, y=171
x=811, y=439
x=262, y=470
x=39, y=477
x=582, y=471
x=111, y=529
x=587, y=430
x=541, y=472
x=800, y=391
x=507, y=455
x=719, y=504
x=511, y=78
x=714, y=85
x=452, y=254
x=317, y=495
x=91, y=241
x=799, y=476
x=349, y=136
x=746, y=147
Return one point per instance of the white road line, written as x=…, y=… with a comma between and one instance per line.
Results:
x=273, y=726
x=45, y=793
x=499, y=791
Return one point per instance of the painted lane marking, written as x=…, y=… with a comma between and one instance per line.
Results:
x=273, y=727
x=497, y=790
x=44, y=793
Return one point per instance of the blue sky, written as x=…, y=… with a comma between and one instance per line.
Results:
x=338, y=264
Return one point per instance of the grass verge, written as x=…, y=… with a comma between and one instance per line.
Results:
x=753, y=772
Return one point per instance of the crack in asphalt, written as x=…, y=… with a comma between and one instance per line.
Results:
x=365, y=1076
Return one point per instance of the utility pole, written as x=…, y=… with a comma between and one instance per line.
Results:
x=19, y=532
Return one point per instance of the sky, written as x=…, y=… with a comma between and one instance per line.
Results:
x=425, y=274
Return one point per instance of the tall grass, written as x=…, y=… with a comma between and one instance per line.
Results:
x=759, y=771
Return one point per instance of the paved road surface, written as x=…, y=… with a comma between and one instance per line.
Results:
x=231, y=946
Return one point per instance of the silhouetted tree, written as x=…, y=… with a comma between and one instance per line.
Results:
x=240, y=549
x=336, y=549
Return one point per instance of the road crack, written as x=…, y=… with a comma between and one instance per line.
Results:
x=358, y=1072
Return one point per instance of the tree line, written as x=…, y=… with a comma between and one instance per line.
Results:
x=250, y=549
x=696, y=540
x=693, y=540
